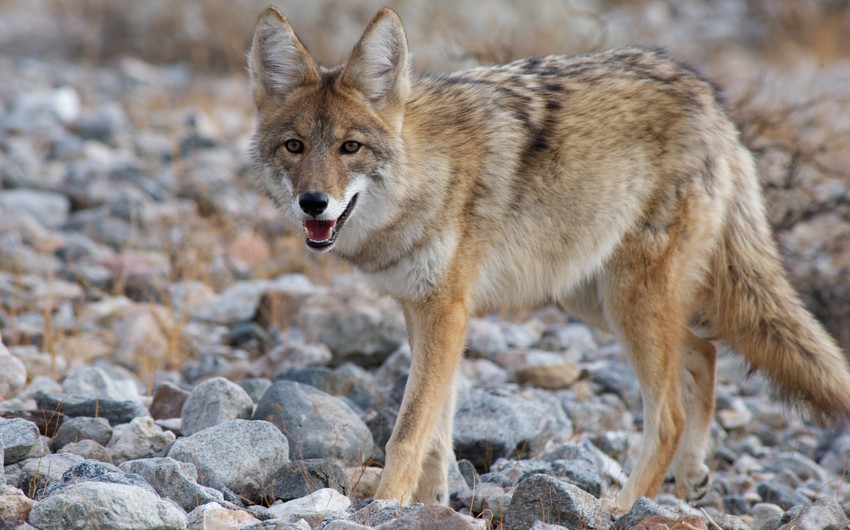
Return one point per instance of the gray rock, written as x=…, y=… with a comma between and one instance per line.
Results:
x=140, y=439
x=578, y=465
x=103, y=124
x=17, y=257
x=240, y=455
x=781, y=494
x=356, y=324
x=578, y=472
x=396, y=367
x=725, y=520
x=485, y=338
x=78, y=247
x=568, y=337
x=523, y=468
x=547, y=499
x=486, y=497
x=190, y=297
x=277, y=524
x=116, y=412
x=99, y=505
x=235, y=304
x=540, y=525
x=484, y=372
x=766, y=516
x=173, y=480
x=489, y=425
x=299, y=478
x=640, y=510
x=82, y=428
x=317, y=425
x=38, y=474
x=456, y=482
x=803, y=466
x=347, y=380
x=619, y=379
x=18, y=439
x=736, y=505
x=468, y=472
x=823, y=514
x=291, y=356
x=87, y=449
x=100, y=226
x=381, y=425
x=94, y=382
x=612, y=443
x=834, y=457
x=607, y=412
x=441, y=517
x=255, y=387
x=214, y=401
x=13, y=376
x=48, y=207
x=381, y=511
x=90, y=274
x=342, y=524
x=94, y=471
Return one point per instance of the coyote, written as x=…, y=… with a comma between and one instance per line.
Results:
x=611, y=184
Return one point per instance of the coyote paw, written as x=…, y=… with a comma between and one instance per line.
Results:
x=695, y=485
x=611, y=505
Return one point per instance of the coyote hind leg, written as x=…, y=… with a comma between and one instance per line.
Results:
x=643, y=290
x=697, y=373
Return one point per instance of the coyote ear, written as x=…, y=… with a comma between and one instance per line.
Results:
x=277, y=63
x=378, y=65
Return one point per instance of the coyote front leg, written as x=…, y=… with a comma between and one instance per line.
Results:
x=437, y=328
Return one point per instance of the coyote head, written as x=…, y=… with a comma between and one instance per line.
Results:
x=326, y=138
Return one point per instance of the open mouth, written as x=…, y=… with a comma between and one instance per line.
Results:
x=321, y=235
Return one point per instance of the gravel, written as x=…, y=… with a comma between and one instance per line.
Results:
x=169, y=357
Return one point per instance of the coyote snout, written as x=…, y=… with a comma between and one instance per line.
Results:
x=613, y=184
x=323, y=217
x=313, y=203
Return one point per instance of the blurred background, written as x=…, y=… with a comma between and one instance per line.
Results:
x=135, y=117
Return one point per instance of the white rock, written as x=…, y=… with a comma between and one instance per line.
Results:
x=213, y=516
x=62, y=102
x=736, y=416
x=325, y=502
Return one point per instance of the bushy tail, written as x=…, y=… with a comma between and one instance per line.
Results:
x=756, y=311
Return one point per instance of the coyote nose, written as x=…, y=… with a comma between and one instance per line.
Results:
x=313, y=203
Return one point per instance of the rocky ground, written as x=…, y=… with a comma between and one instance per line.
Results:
x=173, y=359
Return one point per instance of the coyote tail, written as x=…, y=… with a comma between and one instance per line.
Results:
x=756, y=311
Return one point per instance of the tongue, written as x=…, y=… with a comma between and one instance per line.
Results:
x=319, y=230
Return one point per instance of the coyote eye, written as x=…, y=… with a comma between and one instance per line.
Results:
x=294, y=146
x=349, y=147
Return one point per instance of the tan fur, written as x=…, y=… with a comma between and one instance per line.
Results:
x=613, y=184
